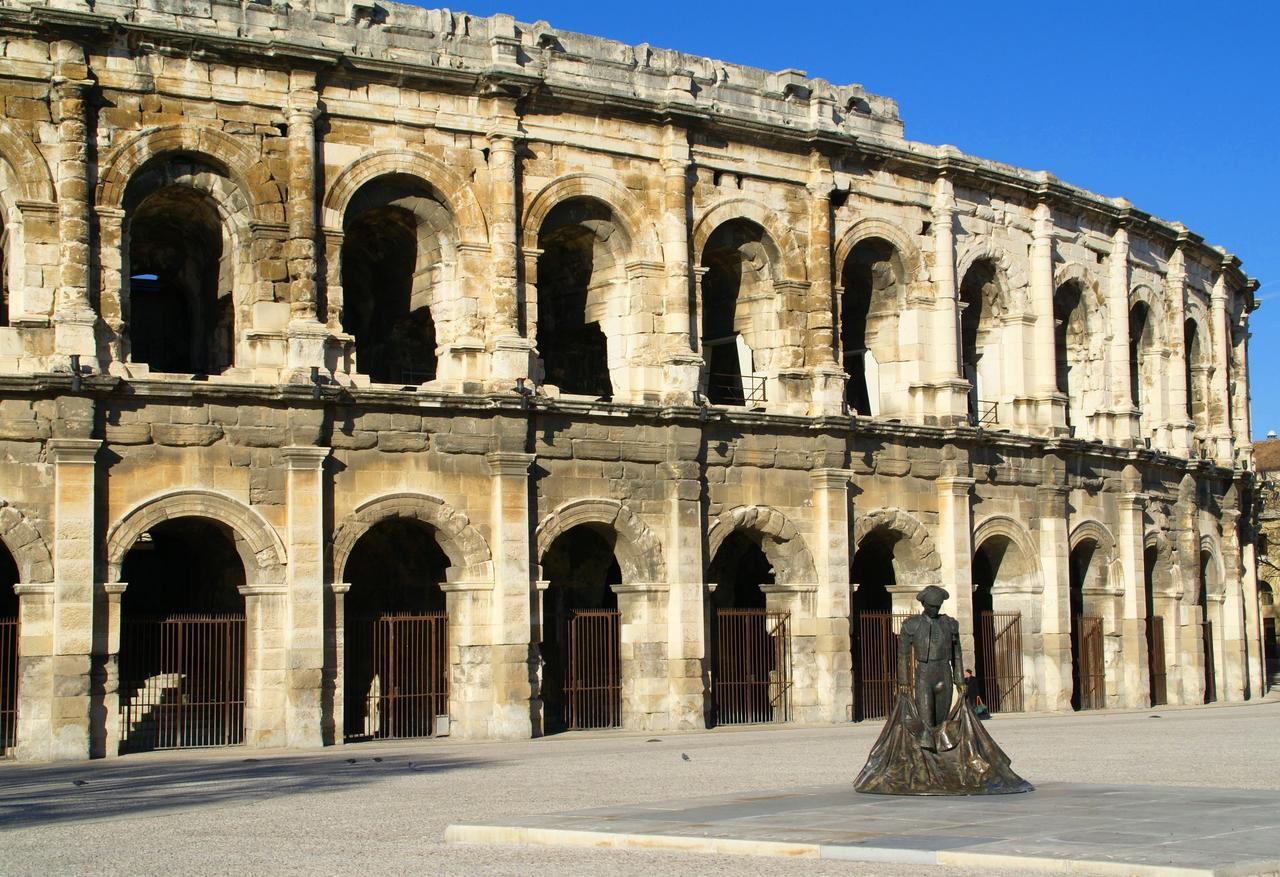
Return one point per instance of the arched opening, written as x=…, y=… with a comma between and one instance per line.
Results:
x=1143, y=366
x=1209, y=636
x=8, y=652
x=874, y=625
x=4, y=272
x=579, y=271
x=1197, y=378
x=737, y=298
x=1071, y=346
x=181, y=310
x=982, y=308
x=1001, y=574
x=1088, y=680
x=395, y=672
x=750, y=641
x=579, y=648
x=873, y=281
x=1157, y=673
x=397, y=257
x=182, y=643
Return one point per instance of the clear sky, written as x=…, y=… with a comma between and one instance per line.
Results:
x=1172, y=104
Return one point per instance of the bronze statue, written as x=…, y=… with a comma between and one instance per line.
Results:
x=930, y=746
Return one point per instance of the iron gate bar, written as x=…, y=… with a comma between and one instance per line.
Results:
x=1159, y=678
x=751, y=677
x=1001, y=644
x=8, y=684
x=1210, y=667
x=1092, y=671
x=182, y=682
x=593, y=687
x=409, y=684
x=878, y=662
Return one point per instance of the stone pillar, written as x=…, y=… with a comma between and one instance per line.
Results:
x=1234, y=669
x=267, y=676
x=336, y=648
x=1055, y=620
x=74, y=476
x=946, y=400
x=828, y=376
x=1241, y=416
x=307, y=337
x=1051, y=415
x=35, y=672
x=1190, y=641
x=1135, y=682
x=74, y=318
x=681, y=323
x=108, y=608
x=1123, y=428
x=510, y=654
x=305, y=633
x=510, y=337
x=642, y=652
x=832, y=556
x=687, y=657
x=798, y=600
x=1256, y=679
x=955, y=548
x=1220, y=396
x=1181, y=426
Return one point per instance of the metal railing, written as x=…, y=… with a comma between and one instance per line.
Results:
x=593, y=688
x=8, y=684
x=1090, y=670
x=751, y=677
x=182, y=682
x=397, y=676
x=876, y=663
x=1000, y=637
x=735, y=389
x=985, y=413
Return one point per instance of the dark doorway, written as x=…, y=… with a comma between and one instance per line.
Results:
x=874, y=626
x=8, y=653
x=737, y=272
x=395, y=645
x=581, y=663
x=182, y=644
x=868, y=308
x=1207, y=638
x=1158, y=680
x=1087, y=663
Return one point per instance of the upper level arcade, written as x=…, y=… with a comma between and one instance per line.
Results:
x=432, y=201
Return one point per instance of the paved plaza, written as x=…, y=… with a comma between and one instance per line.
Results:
x=386, y=807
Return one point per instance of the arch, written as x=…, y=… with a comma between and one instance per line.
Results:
x=871, y=228
x=1074, y=272
x=28, y=548
x=240, y=162
x=630, y=213
x=259, y=544
x=1216, y=582
x=638, y=551
x=1096, y=532
x=1005, y=527
x=920, y=553
x=781, y=542
x=467, y=550
x=1011, y=272
x=32, y=179
x=790, y=263
x=473, y=226
x=1155, y=310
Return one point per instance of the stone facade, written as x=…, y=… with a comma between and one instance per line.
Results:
x=281, y=270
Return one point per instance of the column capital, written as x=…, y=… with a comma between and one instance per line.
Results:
x=954, y=485
x=509, y=463
x=39, y=589
x=304, y=456
x=113, y=589
x=73, y=450
x=1132, y=501
x=339, y=587
x=830, y=478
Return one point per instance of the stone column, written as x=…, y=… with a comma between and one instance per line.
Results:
x=307, y=335
x=642, y=653
x=1123, y=428
x=1256, y=679
x=35, y=672
x=1055, y=621
x=1051, y=414
x=108, y=608
x=510, y=652
x=955, y=548
x=75, y=526
x=74, y=318
x=336, y=647
x=1190, y=641
x=687, y=657
x=509, y=334
x=680, y=322
x=798, y=600
x=832, y=555
x=1241, y=416
x=305, y=633
x=947, y=399
x=1220, y=396
x=266, y=676
x=1135, y=682
x=1234, y=670
x=1181, y=426
x=820, y=342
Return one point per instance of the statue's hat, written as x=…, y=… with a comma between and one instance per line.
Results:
x=932, y=596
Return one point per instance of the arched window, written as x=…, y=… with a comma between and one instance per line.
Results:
x=1144, y=366
x=982, y=307
x=1071, y=345
x=873, y=284
x=1197, y=377
x=737, y=301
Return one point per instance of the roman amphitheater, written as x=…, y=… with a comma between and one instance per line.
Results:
x=373, y=371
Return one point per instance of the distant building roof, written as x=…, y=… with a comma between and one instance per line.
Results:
x=1266, y=455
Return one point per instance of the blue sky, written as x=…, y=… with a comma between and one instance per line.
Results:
x=1174, y=105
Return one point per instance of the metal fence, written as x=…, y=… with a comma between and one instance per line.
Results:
x=1158, y=675
x=1210, y=669
x=1090, y=670
x=593, y=688
x=8, y=684
x=735, y=389
x=398, y=666
x=876, y=663
x=751, y=677
x=182, y=682
x=1000, y=639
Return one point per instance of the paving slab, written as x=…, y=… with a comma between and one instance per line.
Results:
x=1145, y=831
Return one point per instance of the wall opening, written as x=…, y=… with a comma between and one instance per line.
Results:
x=1088, y=682
x=1071, y=346
x=1157, y=673
x=981, y=309
x=870, y=304
x=9, y=633
x=1208, y=623
x=737, y=297
x=4, y=273
x=873, y=626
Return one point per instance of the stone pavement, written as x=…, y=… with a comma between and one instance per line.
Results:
x=1122, y=830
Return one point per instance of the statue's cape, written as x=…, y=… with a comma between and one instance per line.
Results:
x=956, y=758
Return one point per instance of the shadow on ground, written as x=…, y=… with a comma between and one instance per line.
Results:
x=52, y=794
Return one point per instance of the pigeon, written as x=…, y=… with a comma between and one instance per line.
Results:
x=79, y=782
x=654, y=740
x=685, y=756
x=351, y=761
x=379, y=760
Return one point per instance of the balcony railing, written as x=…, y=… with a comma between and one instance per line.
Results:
x=984, y=413
x=735, y=389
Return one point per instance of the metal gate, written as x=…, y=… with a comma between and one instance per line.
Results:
x=876, y=663
x=1159, y=679
x=8, y=684
x=1210, y=669
x=593, y=687
x=1001, y=644
x=1090, y=672
x=182, y=682
x=751, y=678
x=407, y=693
